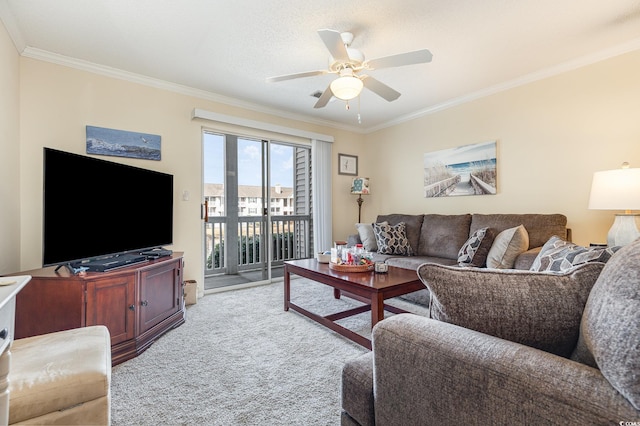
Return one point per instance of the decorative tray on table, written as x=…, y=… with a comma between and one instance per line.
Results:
x=343, y=267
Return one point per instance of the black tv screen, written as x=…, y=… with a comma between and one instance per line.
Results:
x=94, y=208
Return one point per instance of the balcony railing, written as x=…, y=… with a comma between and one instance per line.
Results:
x=227, y=253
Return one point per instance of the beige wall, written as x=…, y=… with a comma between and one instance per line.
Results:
x=552, y=135
x=9, y=155
x=57, y=103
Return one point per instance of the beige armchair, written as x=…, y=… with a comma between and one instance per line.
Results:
x=61, y=378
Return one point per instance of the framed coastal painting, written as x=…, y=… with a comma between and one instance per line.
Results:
x=347, y=164
x=121, y=143
x=464, y=170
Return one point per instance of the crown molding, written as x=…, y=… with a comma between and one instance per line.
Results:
x=520, y=81
x=55, y=58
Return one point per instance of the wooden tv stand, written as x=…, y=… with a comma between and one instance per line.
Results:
x=138, y=303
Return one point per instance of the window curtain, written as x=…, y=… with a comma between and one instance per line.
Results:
x=321, y=192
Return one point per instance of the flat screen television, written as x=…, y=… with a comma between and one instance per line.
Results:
x=94, y=208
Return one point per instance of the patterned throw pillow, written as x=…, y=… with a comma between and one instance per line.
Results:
x=558, y=255
x=474, y=252
x=392, y=239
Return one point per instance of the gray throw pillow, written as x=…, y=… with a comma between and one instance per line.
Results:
x=560, y=255
x=392, y=239
x=540, y=310
x=367, y=236
x=474, y=252
x=507, y=245
x=610, y=329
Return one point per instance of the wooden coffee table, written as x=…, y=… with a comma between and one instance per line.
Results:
x=368, y=287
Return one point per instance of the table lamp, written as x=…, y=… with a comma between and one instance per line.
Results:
x=618, y=190
x=360, y=186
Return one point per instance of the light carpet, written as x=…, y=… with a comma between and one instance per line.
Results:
x=240, y=359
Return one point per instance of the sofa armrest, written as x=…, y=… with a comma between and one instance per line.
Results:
x=357, y=391
x=430, y=372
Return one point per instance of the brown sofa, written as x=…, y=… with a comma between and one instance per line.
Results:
x=438, y=238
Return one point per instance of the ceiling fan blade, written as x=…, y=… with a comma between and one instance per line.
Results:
x=296, y=75
x=324, y=99
x=401, y=59
x=381, y=89
x=335, y=45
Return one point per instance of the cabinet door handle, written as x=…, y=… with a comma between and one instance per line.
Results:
x=144, y=303
x=132, y=307
x=4, y=333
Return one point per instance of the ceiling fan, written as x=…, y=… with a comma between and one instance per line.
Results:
x=350, y=65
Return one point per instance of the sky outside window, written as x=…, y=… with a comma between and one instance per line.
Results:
x=248, y=162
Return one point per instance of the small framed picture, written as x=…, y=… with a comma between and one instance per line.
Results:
x=347, y=164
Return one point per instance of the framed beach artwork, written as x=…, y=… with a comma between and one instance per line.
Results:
x=120, y=143
x=465, y=170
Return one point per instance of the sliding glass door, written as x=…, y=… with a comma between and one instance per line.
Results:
x=258, y=212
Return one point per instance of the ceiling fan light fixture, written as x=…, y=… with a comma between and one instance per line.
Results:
x=347, y=62
x=346, y=86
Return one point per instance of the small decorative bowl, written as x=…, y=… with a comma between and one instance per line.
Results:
x=323, y=257
x=381, y=268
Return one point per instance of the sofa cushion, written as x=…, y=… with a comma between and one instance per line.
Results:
x=610, y=328
x=526, y=259
x=392, y=239
x=412, y=262
x=367, y=236
x=443, y=235
x=474, y=252
x=413, y=225
x=560, y=255
x=506, y=247
x=540, y=227
x=536, y=309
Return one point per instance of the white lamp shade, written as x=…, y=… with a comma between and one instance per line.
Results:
x=615, y=190
x=346, y=88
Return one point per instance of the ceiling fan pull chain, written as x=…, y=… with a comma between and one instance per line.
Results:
x=359, y=118
x=347, y=106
